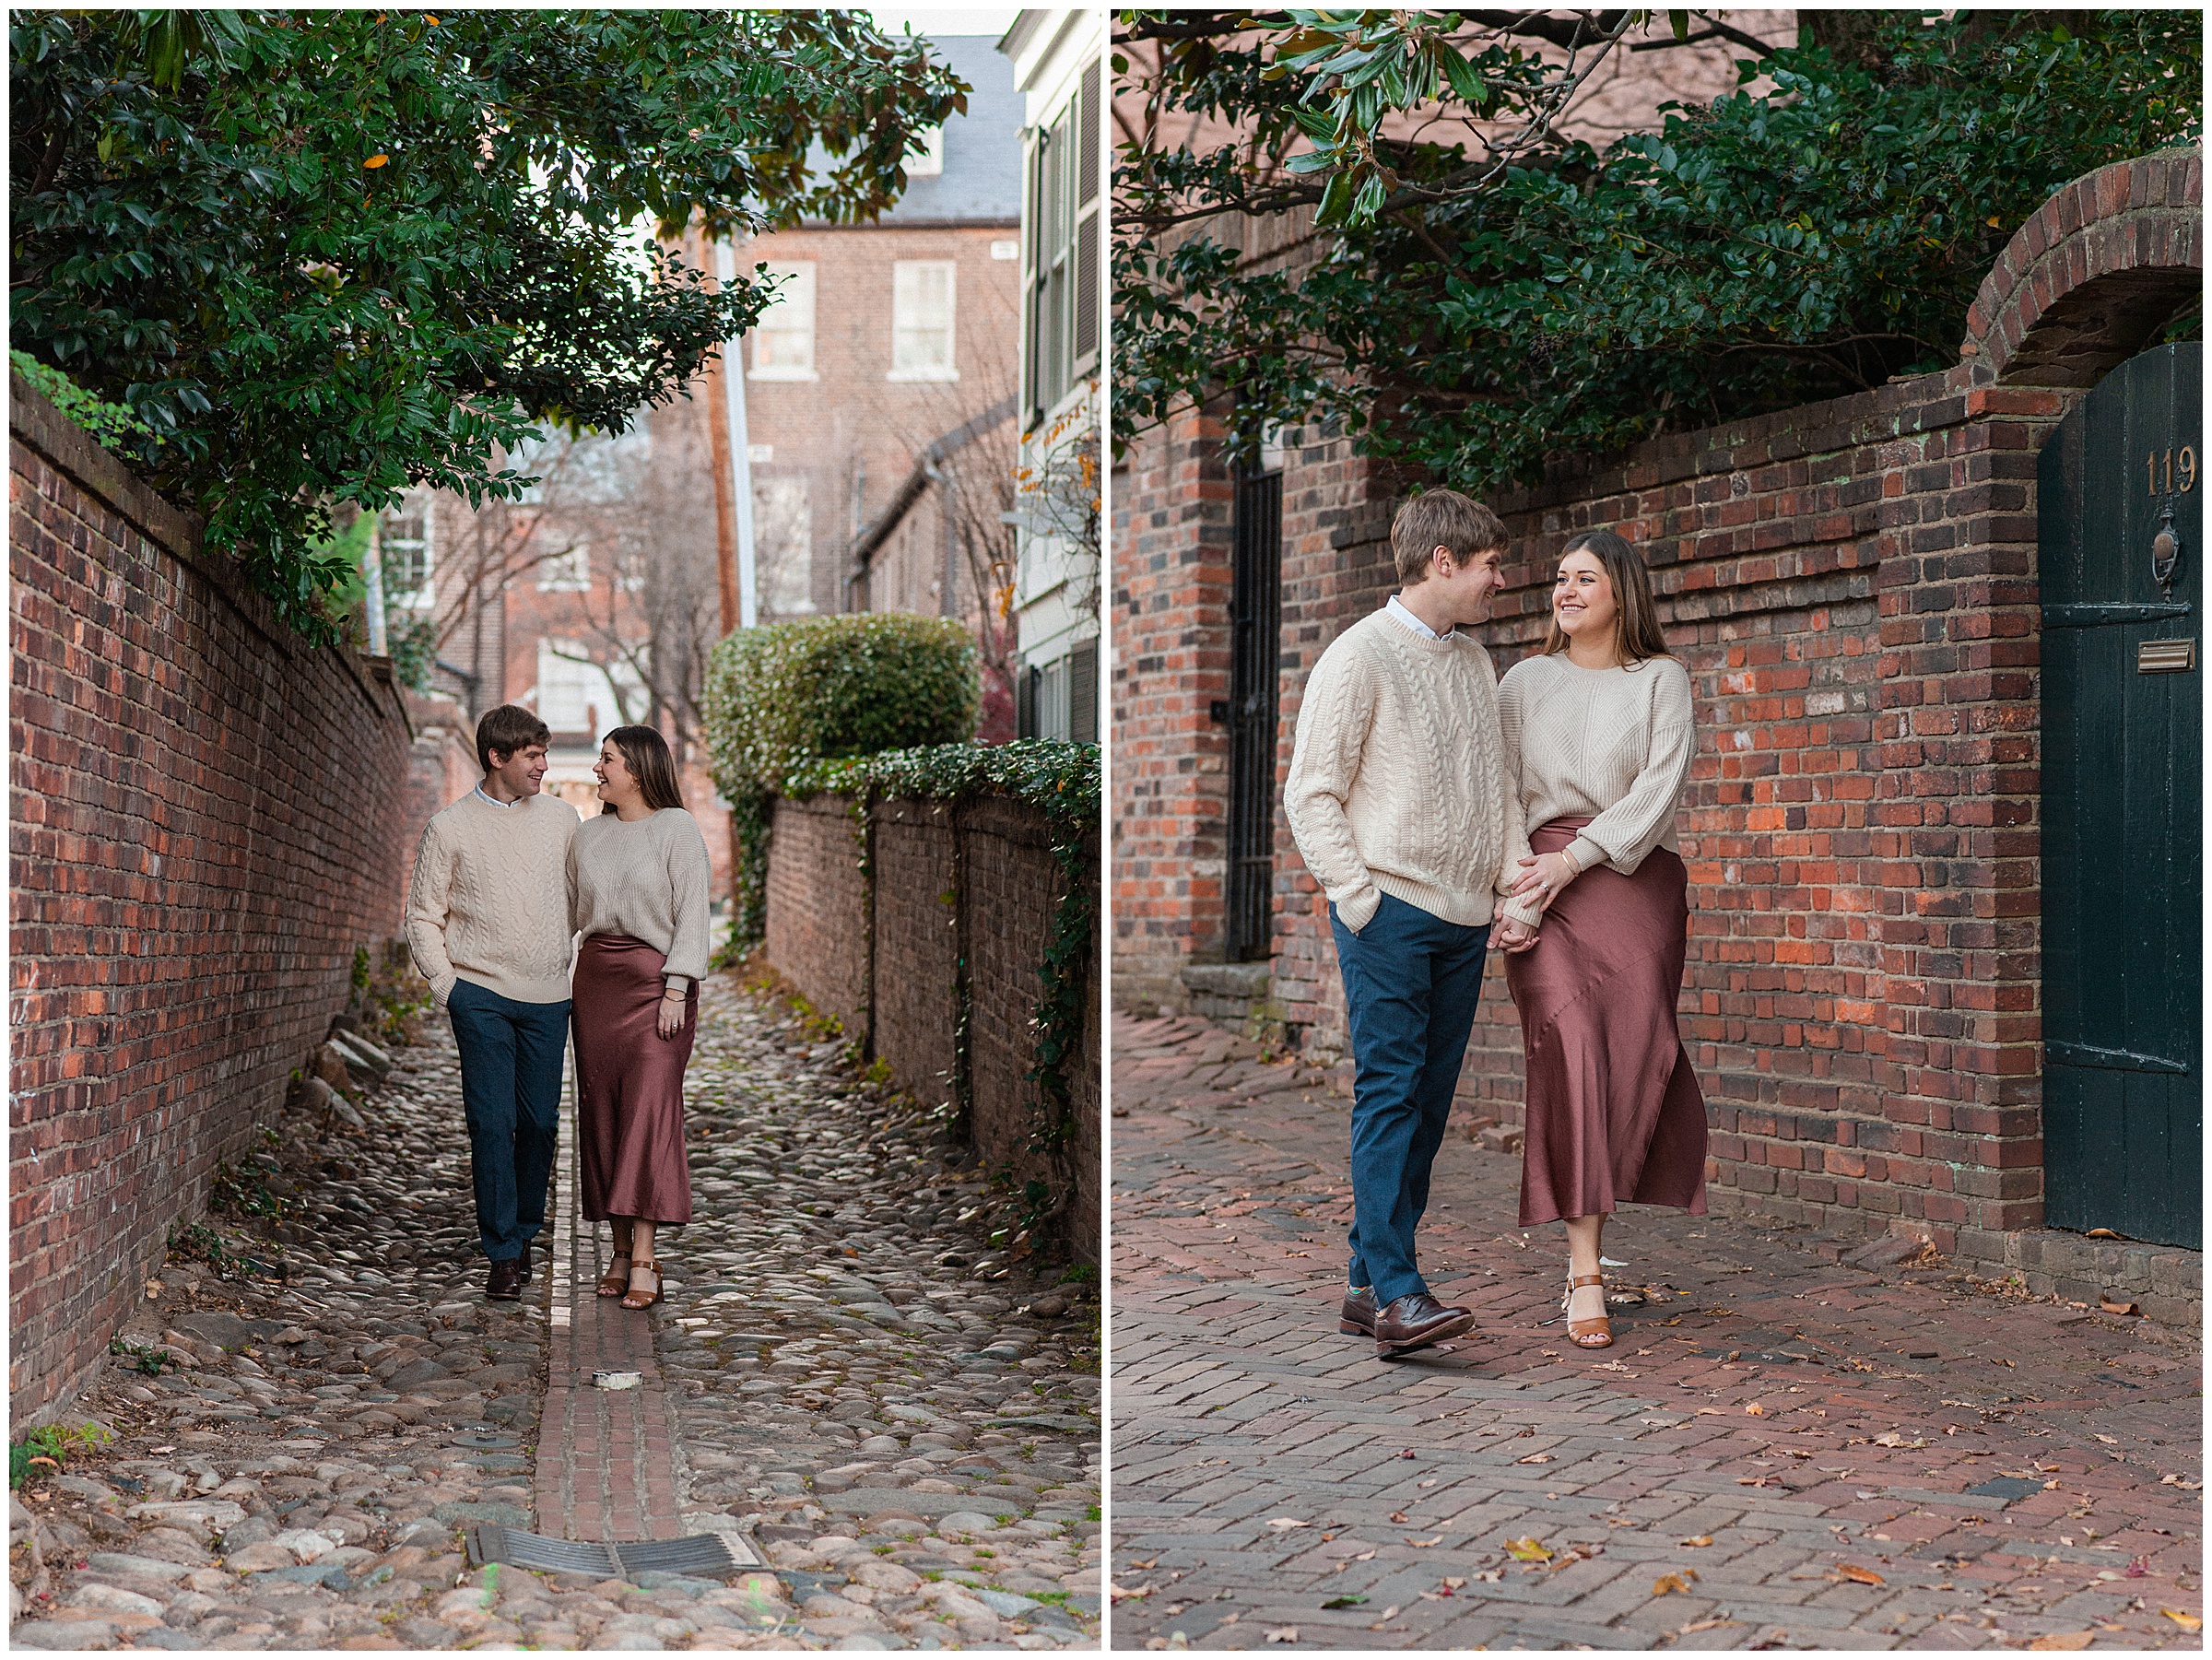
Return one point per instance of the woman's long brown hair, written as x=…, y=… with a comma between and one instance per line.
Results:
x=645, y=753
x=1636, y=636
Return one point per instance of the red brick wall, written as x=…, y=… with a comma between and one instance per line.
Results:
x=1852, y=585
x=1172, y=581
x=207, y=819
x=817, y=908
x=982, y=876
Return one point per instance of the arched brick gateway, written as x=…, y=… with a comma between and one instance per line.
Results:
x=1853, y=585
x=2089, y=280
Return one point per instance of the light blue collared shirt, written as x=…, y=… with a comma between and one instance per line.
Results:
x=497, y=802
x=1403, y=615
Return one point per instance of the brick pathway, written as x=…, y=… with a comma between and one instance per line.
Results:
x=606, y=1458
x=1777, y=1452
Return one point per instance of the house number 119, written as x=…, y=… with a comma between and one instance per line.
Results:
x=2187, y=469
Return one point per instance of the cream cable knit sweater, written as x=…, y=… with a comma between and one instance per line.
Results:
x=1613, y=743
x=1397, y=778
x=489, y=899
x=648, y=878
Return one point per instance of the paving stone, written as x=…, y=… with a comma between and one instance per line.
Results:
x=835, y=1306
x=1799, y=1415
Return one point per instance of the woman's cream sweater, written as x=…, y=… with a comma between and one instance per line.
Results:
x=647, y=879
x=1614, y=744
x=1397, y=778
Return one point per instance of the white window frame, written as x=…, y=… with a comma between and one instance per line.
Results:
x=423, y=596
x=565, y=572
x=926, y=154
x=905, y=300
x=790, y=316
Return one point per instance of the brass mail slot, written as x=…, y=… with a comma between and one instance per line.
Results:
x=2166, y=657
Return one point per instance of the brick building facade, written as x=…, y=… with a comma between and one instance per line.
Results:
x=207, y=819
x=1853, y=586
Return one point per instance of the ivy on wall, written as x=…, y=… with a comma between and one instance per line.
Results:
x=1060, y=781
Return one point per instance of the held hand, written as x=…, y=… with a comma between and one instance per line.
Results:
x=671, y=1019
x=1514, y=937
x=1547, y=880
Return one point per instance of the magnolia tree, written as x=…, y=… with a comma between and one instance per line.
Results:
x=1378, y=221
x=327, y=255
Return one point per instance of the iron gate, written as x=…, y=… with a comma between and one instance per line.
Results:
x=2118, y=534
x=1255, y=628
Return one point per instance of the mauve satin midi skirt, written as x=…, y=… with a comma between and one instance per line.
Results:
x=629, y=1084
x=1615, y=1114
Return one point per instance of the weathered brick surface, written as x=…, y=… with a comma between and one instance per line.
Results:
x=818, y=907
x=1806, y=1445
x=1852, y=587
x=207, y=819
x=977, y=880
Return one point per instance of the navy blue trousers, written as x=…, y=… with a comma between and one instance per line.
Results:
x=1411, y=982
x=511, y=1056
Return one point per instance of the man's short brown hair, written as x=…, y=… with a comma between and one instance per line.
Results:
x=507, y=728
x=1441, y=519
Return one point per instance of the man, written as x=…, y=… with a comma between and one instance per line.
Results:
x=1400, y=804
x=487, y=918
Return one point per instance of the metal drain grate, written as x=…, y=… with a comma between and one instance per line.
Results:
x=703, y=1555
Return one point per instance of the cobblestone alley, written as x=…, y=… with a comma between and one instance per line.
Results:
x=1780, y=1450
x=896, y=1426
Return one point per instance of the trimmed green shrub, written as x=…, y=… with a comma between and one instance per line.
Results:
x=790, y=694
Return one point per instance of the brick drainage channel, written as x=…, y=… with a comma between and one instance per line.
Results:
x=849, y=1383
x=1778, y=1451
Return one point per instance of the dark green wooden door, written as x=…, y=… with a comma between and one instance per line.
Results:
x=2118, y=493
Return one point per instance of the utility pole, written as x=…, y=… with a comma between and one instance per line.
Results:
x=372, y=572
x=718, y=444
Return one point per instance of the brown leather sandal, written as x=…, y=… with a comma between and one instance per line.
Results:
x=1587, y=1334
x=639, y=1298
x=616, y=1281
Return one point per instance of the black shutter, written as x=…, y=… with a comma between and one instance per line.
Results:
x=1083, y=693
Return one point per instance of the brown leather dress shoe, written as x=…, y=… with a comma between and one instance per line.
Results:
x=1357, y=1317
x=1415, y=1321
x=505, y=1282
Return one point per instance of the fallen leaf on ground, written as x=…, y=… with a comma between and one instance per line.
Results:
x=1893, y=1438
x=1697, y=1539
x=2063, y=1640
x=1425, y=1485
x=1535, y=1458
x=1288, y=1522
x=1404, y=1452
x=1285, y=1633
x=1704, y=1625
x=1858, y=1575
x=1424, y=1543
x=1123, y=1592
x=2178, y=1482
x=1528, y=1550
x=1232, y=1618
x=2110, y=1440
x=1400, y=1516
x=1755, y=1409
x=1451, y=1583
x=2188, y=1622
x=1667, y=1583
x=1351, y=1600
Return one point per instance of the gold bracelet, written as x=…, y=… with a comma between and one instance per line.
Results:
x=1567, y=857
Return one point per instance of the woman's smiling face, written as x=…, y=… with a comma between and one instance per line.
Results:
x=1581, y=597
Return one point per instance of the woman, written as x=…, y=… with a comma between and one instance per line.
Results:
x=1598, y=739
x=638, y=880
